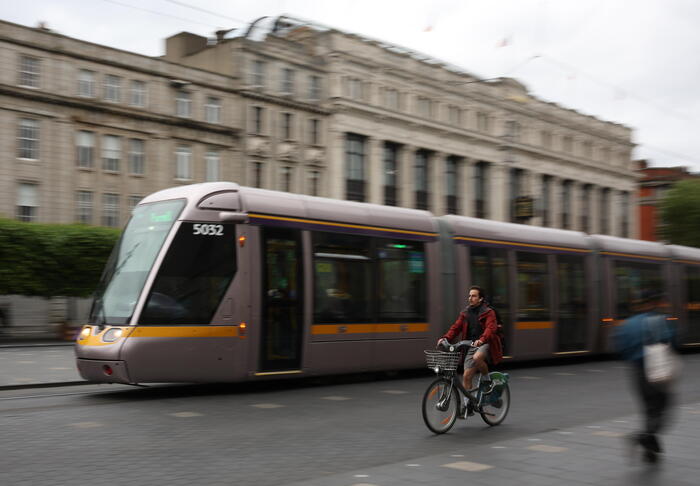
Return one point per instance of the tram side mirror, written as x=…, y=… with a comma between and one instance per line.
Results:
x=231, y=217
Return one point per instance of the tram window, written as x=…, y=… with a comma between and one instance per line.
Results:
x=693, y=305
x=572, y=303
x=631, y=279
x=194, y=275
x=490, y=271
x=401, y=280
x=343, y=281
x=533, y=287
x=131, y=261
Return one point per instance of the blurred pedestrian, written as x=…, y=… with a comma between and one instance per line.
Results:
x=649, y=326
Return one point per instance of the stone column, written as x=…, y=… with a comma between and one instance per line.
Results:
x=555, y=202
x=536, y=188
x=498, y=195
x=465, y=186
x=575, y=198
x=633, y=214
x=335, y=180
x=594, y=209
x=436, y=183
x=374, y=166
x=615, y=216
x=406, y=188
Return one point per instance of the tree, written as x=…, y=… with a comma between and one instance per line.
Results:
x=680, y=211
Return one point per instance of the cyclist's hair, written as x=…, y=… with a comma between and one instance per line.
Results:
x=482, y=294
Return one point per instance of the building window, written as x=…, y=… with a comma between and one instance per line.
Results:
x=546, y=139
x=111, y=153
x=516, y=190
x=212, y=110
x=314, y=131
x=566, y=204
x=29, y=72
x=567, y=144
x=455, y=116
x=355, y=167
x=85, y=142
x=133, y=201
x=28, y=139
x=391, y=163
x=546, y=199
x=110, y=210
x=480, y=180
x=27, y=202
x=257, y=77
x=425, y=107
x=86, y=83
x=451, y=185
x=314, y=179
x=286, y=179
x=420, y=170
x=482, y=122
x=287, y=86
x=286, y=126
x=137, y=96
x=136, y=156
x=183, y=163
x=213, y=166
x=183, y=103
x=513, y=131
x=257, y=174
x=257, y=120
x=624, y=214
x=314, y=88
x=83, y=207
x=354, y=90
x=113, y=86
x=604, y=208
x=391, y=97
x=585, y=207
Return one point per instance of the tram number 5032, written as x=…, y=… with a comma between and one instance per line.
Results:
x=208, y=229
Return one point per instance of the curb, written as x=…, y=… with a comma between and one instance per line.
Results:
x=35, y=345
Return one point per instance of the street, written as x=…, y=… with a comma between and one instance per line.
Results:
x=332, y=431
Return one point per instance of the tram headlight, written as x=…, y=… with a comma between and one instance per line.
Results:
x=85, y=332
x=111, y=335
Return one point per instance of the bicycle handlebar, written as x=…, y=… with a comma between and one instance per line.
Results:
x=445, y=344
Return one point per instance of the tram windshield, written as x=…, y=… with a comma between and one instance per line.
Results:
x=131, y=261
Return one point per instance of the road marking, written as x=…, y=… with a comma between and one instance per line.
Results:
x=534, y=440
x=530, y=377
x=412, y=465
x=547, y=448
x=694, y=412
x=468, y=466
x=361, y=476
x=456, y=455
x=561, y=373
x=609, y=433
x=394, y=392
x=499, y=447
x=593, y=427
x=86, y=425
x=185, y=414
x=364, y=484
x=564, y=432
x=620, y=421
x=267, y=405
x=336, y=398
x=22, y=380
x=594, y=370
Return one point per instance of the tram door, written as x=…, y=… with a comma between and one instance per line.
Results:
x=281, y=333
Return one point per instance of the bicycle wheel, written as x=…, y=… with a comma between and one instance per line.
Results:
x=439, y=412
x=494, y=414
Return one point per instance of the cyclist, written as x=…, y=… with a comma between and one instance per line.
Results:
x=477, y=323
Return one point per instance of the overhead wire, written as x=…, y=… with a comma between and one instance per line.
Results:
x=154, y=12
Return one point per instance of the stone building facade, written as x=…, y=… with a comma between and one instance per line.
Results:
x=88, y=130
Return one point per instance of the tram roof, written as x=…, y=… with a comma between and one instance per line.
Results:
x=627, y=246
x=325, y=209
x=684, y=252
x=286, y=204
x=498, y=231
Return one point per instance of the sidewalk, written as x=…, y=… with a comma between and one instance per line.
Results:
x=594, y=454
x=30, y=363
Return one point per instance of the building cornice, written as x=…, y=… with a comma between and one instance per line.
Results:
x=283, y=101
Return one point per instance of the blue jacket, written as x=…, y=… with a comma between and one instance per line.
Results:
x=647, y=328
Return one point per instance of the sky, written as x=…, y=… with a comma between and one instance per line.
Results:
x=629, y=62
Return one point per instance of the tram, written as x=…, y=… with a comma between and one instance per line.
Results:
x=217, y=282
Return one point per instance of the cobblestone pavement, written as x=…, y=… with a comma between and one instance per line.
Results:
x=25, y=365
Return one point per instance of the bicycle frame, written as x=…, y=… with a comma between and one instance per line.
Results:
x=475, y=395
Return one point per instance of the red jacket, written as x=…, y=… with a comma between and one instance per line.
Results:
x=489, y=328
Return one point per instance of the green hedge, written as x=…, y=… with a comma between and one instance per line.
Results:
x=52, y=259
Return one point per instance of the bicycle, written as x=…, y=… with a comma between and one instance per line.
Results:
x=443, y=400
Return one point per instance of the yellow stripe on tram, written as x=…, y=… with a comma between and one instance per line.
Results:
x=358, y=328
x=184, y=331
x=529, y=325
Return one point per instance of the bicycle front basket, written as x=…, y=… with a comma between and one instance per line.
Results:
x=444, y=360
